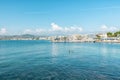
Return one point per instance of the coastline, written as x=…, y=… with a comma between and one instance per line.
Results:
x=68, y=41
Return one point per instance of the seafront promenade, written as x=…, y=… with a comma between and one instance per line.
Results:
x=85, y=38
x=98, y=37
x=69, y=38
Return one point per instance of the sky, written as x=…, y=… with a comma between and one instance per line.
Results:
x=58, y=16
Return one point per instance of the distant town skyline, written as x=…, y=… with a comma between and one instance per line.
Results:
x=58, y=16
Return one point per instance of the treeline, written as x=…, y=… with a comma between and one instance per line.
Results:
x=115, y=34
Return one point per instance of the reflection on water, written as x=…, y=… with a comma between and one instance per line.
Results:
x=43, y=60
x=54, y=49
x=104, y=51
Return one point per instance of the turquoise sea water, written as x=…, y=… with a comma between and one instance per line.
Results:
x=44, y=60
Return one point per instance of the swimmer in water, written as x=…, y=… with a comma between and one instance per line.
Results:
x=70, y=51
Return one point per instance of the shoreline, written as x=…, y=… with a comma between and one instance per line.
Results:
x=69, y=41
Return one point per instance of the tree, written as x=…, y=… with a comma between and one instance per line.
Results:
x=109, y=34
x=116, y=33
x=64, y=38
x=98, y=36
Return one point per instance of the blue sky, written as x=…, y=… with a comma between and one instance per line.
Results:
x=42, y=16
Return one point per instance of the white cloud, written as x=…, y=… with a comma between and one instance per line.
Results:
x=39, y=30
x=73, y=29
x=106, y=28
x=3, y=31
x=28, y=31
x=35, y=31
x=55, y=29
x=113, y=28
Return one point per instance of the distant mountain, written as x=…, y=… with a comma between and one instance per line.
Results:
x=27, y=35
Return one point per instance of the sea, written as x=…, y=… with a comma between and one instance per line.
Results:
x=45, y=60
